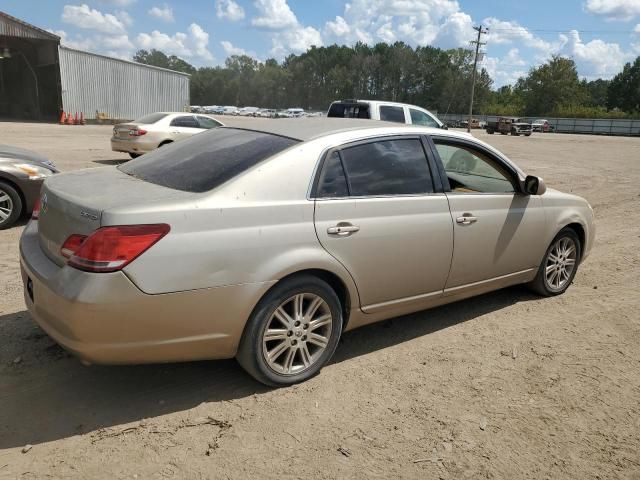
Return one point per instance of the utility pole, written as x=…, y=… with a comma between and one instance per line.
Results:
x=477, y=43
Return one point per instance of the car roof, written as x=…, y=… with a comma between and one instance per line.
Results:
x=305, y=129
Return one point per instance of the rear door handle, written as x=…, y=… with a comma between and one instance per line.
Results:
x=343, y=229
x=466, y=219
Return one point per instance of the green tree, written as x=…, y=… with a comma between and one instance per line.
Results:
x=624, y=90
x=160, y=59
x=551, y=86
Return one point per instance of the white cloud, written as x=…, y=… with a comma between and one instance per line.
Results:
x=295, y=40
x=82, y=16
x=455, y=31
x=614, y=9
x=124, y=17
x=340, y=28
x=164, y=13
x=637, y=29
x=229, y=9
x=194, y=44
x=595, y=58
x=119, y=3
x=418, y=22
x=230, y=49
x=274, y=14
x=503, y=32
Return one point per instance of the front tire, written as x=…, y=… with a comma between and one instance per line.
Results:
x=292, y=333
x=134, y=155
x=559, y=265
x=10, y=205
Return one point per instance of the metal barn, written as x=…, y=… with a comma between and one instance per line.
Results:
x=39, y=78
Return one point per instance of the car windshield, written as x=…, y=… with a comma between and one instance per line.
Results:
x=206, y=161
x=151, y=118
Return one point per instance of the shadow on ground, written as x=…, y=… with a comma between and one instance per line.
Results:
x=115, y=161
x=55, y=397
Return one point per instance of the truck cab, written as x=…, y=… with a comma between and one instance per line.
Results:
x=386, y=111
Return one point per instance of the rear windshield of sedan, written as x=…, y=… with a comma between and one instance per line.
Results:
x=207, y=160
x=151, y=118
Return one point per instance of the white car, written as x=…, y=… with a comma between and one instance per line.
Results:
x=157, y=129
x=386, y=111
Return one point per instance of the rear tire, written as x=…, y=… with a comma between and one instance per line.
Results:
x=10, y=205
x=286, y=340
x=559, y=265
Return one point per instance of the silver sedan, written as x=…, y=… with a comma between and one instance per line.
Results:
x=266, y=242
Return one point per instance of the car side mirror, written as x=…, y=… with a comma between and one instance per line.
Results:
x=534, y=185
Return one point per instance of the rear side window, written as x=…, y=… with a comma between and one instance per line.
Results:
x=332, y=182
x=185, y=121
x=392, y=114
x=151, y=118
x=349, y=110
x=421, y=118
x=389, y=167
x=206, y=122
x=206, y=161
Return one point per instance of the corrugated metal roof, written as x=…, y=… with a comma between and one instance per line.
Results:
x=143, y=65
x=13, y=27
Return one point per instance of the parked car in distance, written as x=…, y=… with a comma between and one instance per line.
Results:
x=21, y=175
x=266, y=242
x=156, y=130
x=248, y=111
x=509, y=125
x=266, y=113
x=542, y=126
x=475, y=123
x=230, y=110
x=386, y=111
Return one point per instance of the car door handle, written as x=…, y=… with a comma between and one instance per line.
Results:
x=343, y=229
x=466, y=219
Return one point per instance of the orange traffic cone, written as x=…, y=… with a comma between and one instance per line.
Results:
x=70, y=119
x=63, y=118
x=82, y=122
x=76, y=120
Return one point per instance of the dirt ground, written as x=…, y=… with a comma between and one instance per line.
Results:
x=506, y=385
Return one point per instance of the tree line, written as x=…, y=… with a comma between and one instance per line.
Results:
x=439, y=80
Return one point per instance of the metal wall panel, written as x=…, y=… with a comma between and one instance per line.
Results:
x=119, y=89
x=590, y=126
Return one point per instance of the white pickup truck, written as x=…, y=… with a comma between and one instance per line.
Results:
x=387, y=111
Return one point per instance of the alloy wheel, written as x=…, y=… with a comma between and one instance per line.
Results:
x=6, y=206
x=297, y=334
x=560, y=263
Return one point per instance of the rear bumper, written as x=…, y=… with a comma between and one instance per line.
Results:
x=135, y=145
x=104, y=318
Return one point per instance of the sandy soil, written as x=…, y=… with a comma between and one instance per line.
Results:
x=506, y=385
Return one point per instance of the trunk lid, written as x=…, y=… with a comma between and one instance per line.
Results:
x=121, y=130
x=73, y=203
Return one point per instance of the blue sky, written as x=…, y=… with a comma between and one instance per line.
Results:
x=600, y=35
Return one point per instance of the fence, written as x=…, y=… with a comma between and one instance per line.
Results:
x=590, y=126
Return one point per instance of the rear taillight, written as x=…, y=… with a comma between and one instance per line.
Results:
x=137, y=132
x=71, y=245
x=110, y=249
x=35, y=213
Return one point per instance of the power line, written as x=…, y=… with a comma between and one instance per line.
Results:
x=477, y=43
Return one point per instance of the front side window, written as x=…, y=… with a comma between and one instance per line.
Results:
x=185, y=121
x=420, y=118
x=388, y=167
x=471, y=171
x=392, y=114
x=207, y=160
